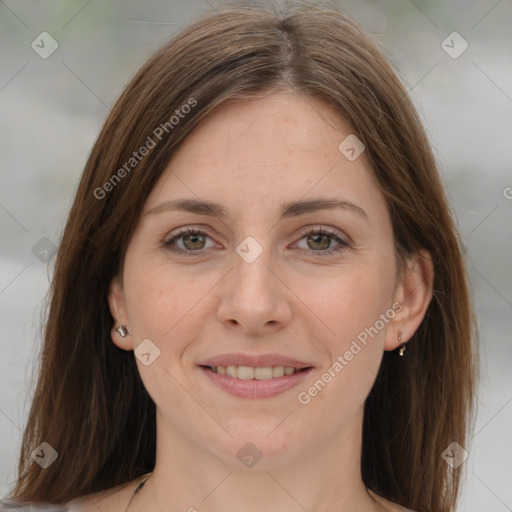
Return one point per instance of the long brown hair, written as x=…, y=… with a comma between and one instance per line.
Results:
x=90, y=404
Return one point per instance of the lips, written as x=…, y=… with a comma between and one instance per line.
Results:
x=259, y=376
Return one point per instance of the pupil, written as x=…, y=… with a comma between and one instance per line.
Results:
x=188, y=237
x=325, y=245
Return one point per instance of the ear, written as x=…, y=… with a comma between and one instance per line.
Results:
x=117, y=305
x=414, y=293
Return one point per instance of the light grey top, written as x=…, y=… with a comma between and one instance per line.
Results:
x=11, y=506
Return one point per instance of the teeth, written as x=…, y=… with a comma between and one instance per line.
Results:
x=263, y=373
x=277, y=371
x=260, y=373
x=245, y=372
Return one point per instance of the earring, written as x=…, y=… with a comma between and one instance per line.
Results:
x=402, y=345
x=122, y=330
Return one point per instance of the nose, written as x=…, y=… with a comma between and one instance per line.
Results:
x=254, y=298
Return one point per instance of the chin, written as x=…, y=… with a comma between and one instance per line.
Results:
x=261, y=445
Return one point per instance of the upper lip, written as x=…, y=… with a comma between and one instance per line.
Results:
x=256, y=361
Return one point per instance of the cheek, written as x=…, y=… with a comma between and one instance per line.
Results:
x=156, y=299
x=165, y=305
x=352, y=354
x=351, y=304
x=350, y=300
x=160, y=303
x=150, y=299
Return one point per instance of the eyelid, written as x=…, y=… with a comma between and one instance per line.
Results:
x=343, y=240
x=327, y=230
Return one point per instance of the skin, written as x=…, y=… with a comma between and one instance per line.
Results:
x=251, y=157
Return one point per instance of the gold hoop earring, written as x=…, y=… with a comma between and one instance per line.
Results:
x=402, y=345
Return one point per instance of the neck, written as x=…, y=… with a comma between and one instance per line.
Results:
x=191, y=478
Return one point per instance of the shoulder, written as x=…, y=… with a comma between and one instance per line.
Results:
x=108, y=500
x=12, y=506
x=388, y=506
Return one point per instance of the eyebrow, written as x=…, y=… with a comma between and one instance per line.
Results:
x=289, y=209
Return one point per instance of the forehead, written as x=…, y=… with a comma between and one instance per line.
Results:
x=265, y=152
x=278, y=126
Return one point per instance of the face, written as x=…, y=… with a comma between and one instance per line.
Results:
x=274, y=285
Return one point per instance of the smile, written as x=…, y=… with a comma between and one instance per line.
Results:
x=254, y=381
x=258, y=373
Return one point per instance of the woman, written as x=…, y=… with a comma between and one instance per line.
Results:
x=259, y=300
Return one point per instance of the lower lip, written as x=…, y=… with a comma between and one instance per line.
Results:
x=255, y=388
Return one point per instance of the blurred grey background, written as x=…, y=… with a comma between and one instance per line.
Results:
x=52, y=106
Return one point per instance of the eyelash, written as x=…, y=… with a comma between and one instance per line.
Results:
x=343, y=243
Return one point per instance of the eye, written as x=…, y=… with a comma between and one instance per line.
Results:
x=319, y=241
x=192, y=242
